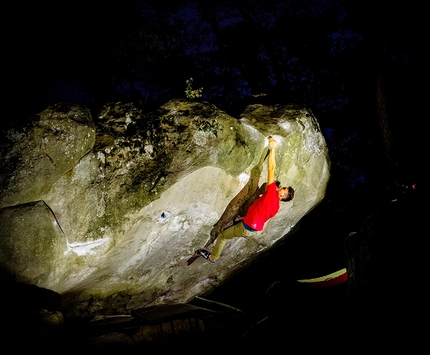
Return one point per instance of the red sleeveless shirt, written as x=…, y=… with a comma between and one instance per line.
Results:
x=264, y=208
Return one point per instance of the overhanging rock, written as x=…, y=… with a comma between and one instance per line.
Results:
x=152, y=189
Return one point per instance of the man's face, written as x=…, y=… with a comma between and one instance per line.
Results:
x=283, y=192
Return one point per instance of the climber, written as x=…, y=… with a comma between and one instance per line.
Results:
x=264, y=208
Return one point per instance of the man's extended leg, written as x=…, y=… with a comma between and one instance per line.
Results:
x=235, y=231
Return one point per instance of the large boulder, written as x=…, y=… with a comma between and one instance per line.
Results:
x=106, y=211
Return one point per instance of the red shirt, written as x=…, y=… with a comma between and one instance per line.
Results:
x=265, y=207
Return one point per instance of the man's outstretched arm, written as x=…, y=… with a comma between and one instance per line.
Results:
x=271, y=162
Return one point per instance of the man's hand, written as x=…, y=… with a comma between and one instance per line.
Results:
x=272, y=142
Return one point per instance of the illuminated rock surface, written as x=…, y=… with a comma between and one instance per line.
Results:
x=106, y=210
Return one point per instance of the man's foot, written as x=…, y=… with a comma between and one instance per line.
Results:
x=206, y=255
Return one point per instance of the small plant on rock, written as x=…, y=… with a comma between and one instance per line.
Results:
x=191, y=93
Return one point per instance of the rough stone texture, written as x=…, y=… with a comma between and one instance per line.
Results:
x=31, y=243
x=123, y=202
x=37, y=156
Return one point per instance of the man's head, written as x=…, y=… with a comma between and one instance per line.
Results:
x=285, y=193
x=289, y=194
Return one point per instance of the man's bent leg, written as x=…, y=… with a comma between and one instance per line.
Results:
x=235, y=231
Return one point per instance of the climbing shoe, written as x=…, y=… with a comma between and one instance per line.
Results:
x=206, y=255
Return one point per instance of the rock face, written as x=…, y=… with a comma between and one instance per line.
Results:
x=107, y=211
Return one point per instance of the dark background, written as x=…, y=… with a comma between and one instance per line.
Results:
x=360, y=66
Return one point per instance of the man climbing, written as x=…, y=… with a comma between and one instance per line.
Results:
x=264, y=208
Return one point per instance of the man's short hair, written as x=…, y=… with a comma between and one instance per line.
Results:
x=290, y=195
